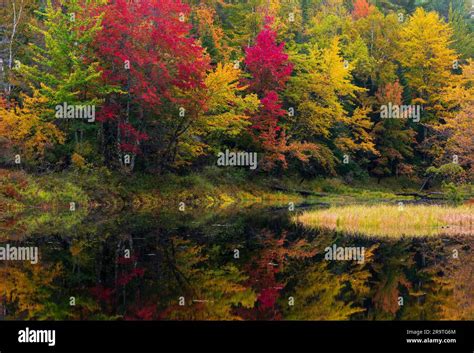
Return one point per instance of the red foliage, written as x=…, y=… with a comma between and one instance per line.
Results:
x=270, y=112
x=267, y=298
x=267, y=63
x=127, y=277
x=9, y=222
x=145, y=313
x=149, y=36
x=362, y=9
x=108, y=112
x=390, y=93
x=270, y=69
x=266, y=130
x=102, y=293
x=10, y=191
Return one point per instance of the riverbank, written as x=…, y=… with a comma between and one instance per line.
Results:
x=212, y=187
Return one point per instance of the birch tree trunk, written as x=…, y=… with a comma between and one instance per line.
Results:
x=17, y=12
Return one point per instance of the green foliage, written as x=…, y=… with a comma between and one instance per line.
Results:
x=63, y=67
x=463, y=36
x=447, y=172
x=453, y=193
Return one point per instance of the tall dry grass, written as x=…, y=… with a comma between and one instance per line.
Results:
x=393, y=220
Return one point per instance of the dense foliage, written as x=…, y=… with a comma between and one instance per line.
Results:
x=304, y=83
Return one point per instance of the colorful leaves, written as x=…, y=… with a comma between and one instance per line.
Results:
x=267, y=63
x=29, y=127
x=362, y=9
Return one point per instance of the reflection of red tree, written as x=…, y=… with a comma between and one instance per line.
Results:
x=102, y=293
x=125, y=278
x=108, y=296
x=267, y=297
x=141, y=312
x=264, y=269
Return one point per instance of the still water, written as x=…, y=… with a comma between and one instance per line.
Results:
x=242, y=263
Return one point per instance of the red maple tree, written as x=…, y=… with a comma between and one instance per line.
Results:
x=146, y=50
x=270, y=69
x=267, y=63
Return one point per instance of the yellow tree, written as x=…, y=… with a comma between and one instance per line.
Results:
x=322, y=82
x=427, y=61
x=381, y=34
x=322, y=78
x=426, y=57
x=228, y=109
x=457, y=122
x=29, y=288
x=29, y=127
x=224, y=115
x=357, y=137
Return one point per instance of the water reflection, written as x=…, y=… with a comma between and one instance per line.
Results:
x=232, y=264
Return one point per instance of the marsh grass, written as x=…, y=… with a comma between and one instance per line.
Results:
x=392, y=220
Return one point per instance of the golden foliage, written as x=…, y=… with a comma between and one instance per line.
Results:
x=29, y=126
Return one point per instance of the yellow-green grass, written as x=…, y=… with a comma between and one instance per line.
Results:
x=393, y=220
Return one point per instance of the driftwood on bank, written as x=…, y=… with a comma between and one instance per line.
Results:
x=414, y=194
x=427, y=196
x=435, y=195
x=298, y=191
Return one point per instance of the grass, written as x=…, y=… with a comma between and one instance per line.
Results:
x=393, y=221
x=208, y=187
x=212, y=187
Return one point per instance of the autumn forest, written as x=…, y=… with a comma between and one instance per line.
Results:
x=302, y=83
x=237, y=159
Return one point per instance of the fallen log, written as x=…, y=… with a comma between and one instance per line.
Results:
x=419, y=195
x=296, y=191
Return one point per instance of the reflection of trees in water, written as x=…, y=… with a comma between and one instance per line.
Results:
x=210, y=293
x=322, y=295
x=293, y=266
x=266, y=269
x=462, y=281
x=453, y=276
x=165, y=269
x=433, y=284
x=276, y=262
x=329, y=290
x=28, y=291
x=389, y=281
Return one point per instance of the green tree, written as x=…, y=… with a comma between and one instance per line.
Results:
x=463, y=36
x=62, y=66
